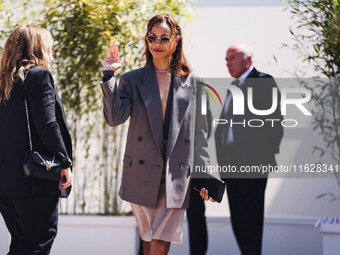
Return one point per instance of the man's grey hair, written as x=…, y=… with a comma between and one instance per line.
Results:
x=245, y=49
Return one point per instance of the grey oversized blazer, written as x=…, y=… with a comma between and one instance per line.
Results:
x=138, y=96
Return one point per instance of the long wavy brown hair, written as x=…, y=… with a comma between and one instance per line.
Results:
x=178, y=61
x=26, y=46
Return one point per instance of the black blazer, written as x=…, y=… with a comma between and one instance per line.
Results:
x=49, y=134
x=254, y=145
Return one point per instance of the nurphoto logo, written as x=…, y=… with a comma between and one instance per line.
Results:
x=289, y=96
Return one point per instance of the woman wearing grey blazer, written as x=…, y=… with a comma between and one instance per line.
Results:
x=166, y=136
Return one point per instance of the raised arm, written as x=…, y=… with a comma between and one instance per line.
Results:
x=117, y=100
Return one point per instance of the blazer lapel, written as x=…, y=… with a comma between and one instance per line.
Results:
x=253, y=73
x=181, y=98
x=247, y=81
x=149, y=92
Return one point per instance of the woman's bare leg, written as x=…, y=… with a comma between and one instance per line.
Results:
x=146, y=248
x=159, y=247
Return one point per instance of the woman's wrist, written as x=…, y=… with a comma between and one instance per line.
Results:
x=66, y=163
x=107, y=75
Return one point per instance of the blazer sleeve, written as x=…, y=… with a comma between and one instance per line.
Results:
x=263, y=99
x=42, y=101
x=117, y=101
x=201, y=155
x=276, y=133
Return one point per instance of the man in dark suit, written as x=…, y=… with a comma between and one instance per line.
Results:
x=248, y=140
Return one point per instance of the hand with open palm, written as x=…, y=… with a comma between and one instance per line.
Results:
x=112, y=61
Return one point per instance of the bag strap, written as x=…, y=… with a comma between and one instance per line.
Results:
x=28, y=126
x=48, y=164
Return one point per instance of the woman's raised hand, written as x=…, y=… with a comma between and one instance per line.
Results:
x=112, y=61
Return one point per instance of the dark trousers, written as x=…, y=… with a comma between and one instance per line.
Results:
x=246, y=202
x=198, y=235
x=32, y=222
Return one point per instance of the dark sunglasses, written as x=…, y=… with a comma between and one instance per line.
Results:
x=153, y=39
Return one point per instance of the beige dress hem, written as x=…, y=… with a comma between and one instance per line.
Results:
x=159, y=223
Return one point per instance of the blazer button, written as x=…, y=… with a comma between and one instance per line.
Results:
x=180, y=164
x=140, y=138
x=141, y=161
x=187, y=140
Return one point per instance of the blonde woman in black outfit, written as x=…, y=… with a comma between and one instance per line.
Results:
x=30, y=206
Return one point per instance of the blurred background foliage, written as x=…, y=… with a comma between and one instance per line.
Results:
x=316, y=36
x=316, y=33
x=81, y=31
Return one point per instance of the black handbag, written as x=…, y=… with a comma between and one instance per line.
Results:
x=214, y=185
x=37, y=165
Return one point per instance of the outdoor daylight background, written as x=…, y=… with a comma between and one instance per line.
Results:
x=209, y=27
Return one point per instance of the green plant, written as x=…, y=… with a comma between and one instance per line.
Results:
x=81, y=30
x=317, y=33
x=317, y=40
x=10, y=19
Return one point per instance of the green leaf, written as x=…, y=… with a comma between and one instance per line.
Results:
x=275, y=59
